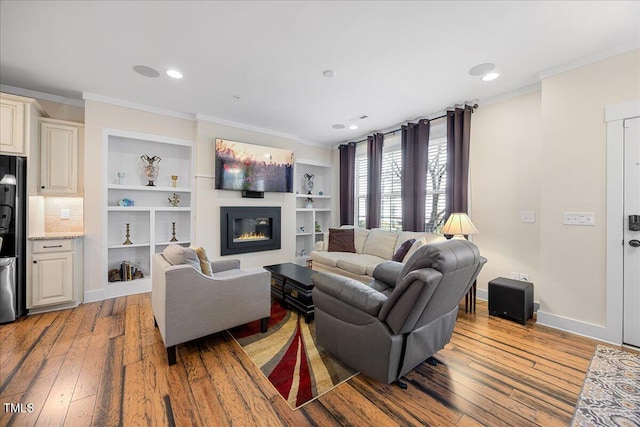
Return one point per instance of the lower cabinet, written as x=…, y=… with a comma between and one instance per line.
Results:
x=55, y=268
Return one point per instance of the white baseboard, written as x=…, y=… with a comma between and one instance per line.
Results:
x=573, y=326
x=92, y=296
x=482, y=294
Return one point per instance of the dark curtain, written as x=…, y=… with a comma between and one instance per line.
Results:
x=347, y=182
x=374, y=183
x=458, y=136
x=415, y=149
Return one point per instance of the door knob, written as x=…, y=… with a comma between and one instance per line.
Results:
x=635, y=243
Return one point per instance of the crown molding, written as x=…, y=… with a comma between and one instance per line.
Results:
x=41, y=95
x=511, y=94
x=136, y=106
x=588, y=59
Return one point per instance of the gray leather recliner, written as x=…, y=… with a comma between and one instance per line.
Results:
x=406, y=314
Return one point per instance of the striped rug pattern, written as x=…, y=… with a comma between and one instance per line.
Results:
x=288, y=355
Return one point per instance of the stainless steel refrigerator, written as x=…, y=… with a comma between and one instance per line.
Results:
x=13, y=237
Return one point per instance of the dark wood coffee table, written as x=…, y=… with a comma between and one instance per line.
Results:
x=291, y=284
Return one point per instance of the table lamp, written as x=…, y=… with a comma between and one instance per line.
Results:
x=459, y=225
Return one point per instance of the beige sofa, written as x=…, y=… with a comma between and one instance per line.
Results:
x=371, y=248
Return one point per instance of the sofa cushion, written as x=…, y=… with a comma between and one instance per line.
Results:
x=380, y=243
x=327, y=258
x=205, y=264
x=341, y=240
x=402, y=250
x=177, y=255
x=358, y=263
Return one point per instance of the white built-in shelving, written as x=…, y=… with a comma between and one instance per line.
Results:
x=151, y=216
x=319, y=212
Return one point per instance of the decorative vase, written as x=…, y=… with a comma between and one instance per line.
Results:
x=174, y=180
x=150, y=168
x=308, y=182
x=120, y=176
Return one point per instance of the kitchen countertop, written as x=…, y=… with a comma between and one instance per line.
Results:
x=55, y=236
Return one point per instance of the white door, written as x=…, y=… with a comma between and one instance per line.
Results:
x=631, y=328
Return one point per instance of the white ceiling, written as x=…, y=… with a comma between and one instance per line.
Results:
x=395, y=61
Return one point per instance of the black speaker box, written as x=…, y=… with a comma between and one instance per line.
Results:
x=511, y=299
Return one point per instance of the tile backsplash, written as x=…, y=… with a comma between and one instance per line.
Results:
x=52, y=208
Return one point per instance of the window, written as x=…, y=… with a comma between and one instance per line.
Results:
x=391, y=197
x=436, y=200
x=361, y=173
x=391, y=206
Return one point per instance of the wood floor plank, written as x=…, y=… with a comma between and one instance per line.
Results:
x=133, y=404
x=132, y=342
x=55, y=408
x=108, y=408
x=104, y=363
x=80, y=412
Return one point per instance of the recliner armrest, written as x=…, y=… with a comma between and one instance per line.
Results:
x=388, y=272
x=351, y=292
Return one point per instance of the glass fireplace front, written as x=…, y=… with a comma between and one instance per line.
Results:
x=249, y=229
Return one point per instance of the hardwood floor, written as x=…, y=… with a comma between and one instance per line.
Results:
x=104, y=364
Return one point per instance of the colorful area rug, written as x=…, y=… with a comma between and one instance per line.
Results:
x=610, y=394
x=288, y=355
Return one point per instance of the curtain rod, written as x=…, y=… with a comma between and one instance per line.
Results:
x=391, y=132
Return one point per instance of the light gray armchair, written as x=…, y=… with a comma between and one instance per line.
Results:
x=188, y=304
x=405, y=315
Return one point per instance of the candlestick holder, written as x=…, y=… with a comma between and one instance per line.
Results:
x=127, y=235
x=174, y=180
x=173, y=232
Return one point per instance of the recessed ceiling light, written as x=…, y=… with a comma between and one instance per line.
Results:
x=353, y=127
x=481, y=69
x=490, y=76
x=146, y=71
x=174, y=73
x=338, y=126
x=329, y=73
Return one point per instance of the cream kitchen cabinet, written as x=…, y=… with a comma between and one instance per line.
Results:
x=55, y=267
x=16, y=113
x=59, y=157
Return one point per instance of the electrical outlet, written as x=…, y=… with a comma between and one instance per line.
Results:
x=525, y=277
x=515, y=276
x=527, y=216
x=65, y=213
x=579, y=218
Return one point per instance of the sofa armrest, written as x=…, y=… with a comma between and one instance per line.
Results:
x=388, y=272
x=224, y=265
x=351, y=292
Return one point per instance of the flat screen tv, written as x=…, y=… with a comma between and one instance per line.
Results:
x=253, y=168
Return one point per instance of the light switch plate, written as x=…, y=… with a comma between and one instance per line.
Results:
x=65, y=213
x=579, y=218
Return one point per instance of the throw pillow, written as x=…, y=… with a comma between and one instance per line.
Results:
x=402, y=250
x=205, y=264
x=341, y=240
x=413, y=248
x=177, y=255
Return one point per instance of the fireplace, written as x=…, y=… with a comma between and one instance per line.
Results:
x=246, y=229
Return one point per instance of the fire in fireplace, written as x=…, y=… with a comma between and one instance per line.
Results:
x=249, y=229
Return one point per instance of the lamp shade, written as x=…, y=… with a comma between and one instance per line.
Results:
x=459, y=224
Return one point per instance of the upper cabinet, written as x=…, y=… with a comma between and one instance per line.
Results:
x=16, y=113
x=60, y=143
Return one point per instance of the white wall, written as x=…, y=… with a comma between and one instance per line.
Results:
x=505, y=161
x=100, y=115
x=546, y=151
x=209, y=200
